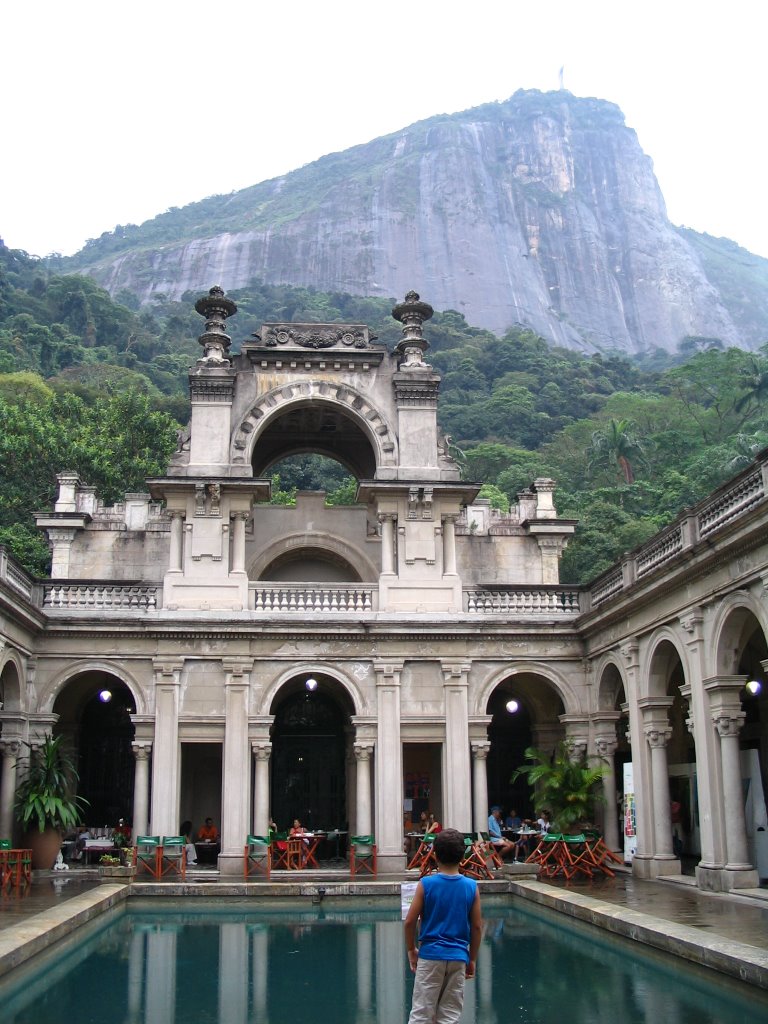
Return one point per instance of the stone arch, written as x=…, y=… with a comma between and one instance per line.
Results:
x=558, y=681
x=736, y=619
x=11, y=676
x=59, y=682
x=335, y=546
x=664, y=647
x=611, y=681
x=353, y=693
x=338, y=397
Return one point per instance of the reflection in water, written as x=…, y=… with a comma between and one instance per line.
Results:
x=233, y=967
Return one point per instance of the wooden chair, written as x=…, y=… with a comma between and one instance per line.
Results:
x=362, y=857
x=423, y=852
x=474, y=863
x=146, y=855
x=173, y=856
x=280, y=851
x=490, y=850
x=294, y=856
x=257, y=856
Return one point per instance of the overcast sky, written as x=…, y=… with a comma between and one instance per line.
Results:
x=116, y=111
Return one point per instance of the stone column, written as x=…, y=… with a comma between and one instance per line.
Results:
x=177, y=531
x=480, y=751
x=728, y=727
x=605, y=748
x=260, y=962
x=9, y=749
x=166, y=754
x=238, y=542
x=262, y=751
x=233, y=973
x=658, y=737
x=363, y=817
x=457, y=809
x=551, y=549
x=160, y=996
x=449, y=545
x=387, y=521
x=236, y=789
x=389, y=768
x=60, y=540
x=141, y=752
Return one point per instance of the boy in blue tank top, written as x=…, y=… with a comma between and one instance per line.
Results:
x=447, y=908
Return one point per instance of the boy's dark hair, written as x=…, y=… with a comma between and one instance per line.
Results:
x=449, y=846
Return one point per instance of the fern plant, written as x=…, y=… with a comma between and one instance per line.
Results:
x=567, y=785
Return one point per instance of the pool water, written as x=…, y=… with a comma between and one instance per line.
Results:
x=256, y=964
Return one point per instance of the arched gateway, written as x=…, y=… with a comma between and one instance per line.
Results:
x=354, y=665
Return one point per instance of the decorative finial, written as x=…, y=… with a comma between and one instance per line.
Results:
x=412, y=313
x=215, y=307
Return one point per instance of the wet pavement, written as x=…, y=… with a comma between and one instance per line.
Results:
x=741, y=916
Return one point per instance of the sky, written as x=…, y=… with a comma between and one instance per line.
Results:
x=117, y=111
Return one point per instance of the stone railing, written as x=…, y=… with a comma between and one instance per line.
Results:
x=702, y=522
x=522, y=602
x=15, y=576
x=91, y=596
x=323, y=599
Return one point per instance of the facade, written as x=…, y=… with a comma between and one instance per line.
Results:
x=206, y=653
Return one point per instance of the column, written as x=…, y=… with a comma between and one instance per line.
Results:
x=363, y=753
x=262, y=751
x=165, y=750
x=233, y=973
x=457, y=812
x=236, y=787
x=160, y=998
x=389, y=768
x=605, y=748
x=728, y=727
x=658, y=738
x=480, y=750
x=449, y=545
x=238, y=541
x=9, y=749
x=387, y=521
x=141, y=752
x=177, y=530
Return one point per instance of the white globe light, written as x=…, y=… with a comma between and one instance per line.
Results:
x=754, y=686
x=512, y=706
x=311, y=684
x=105, y=696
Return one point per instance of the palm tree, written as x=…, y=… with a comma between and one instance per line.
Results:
x=566, y=784
x=615, y=444
x=755, y=382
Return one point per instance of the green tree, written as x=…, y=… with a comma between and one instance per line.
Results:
x=566, y=784
x=617, y=445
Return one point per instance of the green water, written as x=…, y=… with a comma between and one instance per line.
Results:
x=331, y=965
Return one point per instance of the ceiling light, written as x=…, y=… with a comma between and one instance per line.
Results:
x=512, y=706
x=311, y=685
x=754, y=686
x=105, y=696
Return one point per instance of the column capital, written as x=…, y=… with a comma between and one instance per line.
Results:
x=237, y=671
x=629, y=651
x=455, y=672
x=167, y=671
x=481, y=749
x=605, y=746
x=728, y=724
x=658, y=737
x=388, y=672
x=692, y=622
x=363, y=751
x=141, y=751
x=10, y=748
x=261, y=750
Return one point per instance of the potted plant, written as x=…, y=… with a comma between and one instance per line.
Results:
x=44, y=801
x=564, y=783
x=111, y=866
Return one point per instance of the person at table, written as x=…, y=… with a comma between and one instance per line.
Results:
x=208, y=832
x=189, y=846
x=544, y=822
x=502, y=845
x=433, y=826
x=514, y=822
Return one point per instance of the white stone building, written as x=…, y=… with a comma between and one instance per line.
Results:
x=420, y=613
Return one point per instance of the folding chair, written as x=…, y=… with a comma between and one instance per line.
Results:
x=474, y=863
x=601, y=852
x=362, y=855
x=490, y=849
x=576, y=856
x=173, y=856
x=423, y=852
x=295, y=853
x=280, y=851
x=146, y=855
x=257, y=856
x=548, y=855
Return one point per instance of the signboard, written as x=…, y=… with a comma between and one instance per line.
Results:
x=629, y=815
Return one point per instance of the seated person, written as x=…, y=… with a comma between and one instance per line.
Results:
x=433, y=826
x=514, y=822
x=544, y=822
x=208, y=832
x=189, y=846
x=502, y=845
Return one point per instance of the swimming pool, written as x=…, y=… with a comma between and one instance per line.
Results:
x=233, y=964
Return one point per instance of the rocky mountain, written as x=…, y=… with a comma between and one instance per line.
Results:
x=541, y=210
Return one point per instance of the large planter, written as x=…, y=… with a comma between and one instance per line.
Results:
x=44, y=846
x=124, y=872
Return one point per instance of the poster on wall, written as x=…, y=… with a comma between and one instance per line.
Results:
x=630, y=815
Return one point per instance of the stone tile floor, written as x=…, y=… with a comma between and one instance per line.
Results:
x=742, y=916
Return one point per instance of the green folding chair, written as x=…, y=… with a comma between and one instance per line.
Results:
x=146, y=855
x=257, y=856
x=173, y=856
x=362, y=858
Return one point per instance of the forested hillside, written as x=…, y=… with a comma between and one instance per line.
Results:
x=92, y=385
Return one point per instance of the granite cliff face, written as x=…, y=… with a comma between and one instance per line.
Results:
x=541, y=210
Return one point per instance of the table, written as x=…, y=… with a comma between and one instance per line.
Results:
x=336, y=834
x=97, y=847
x=304, y=856
x=207, y=853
